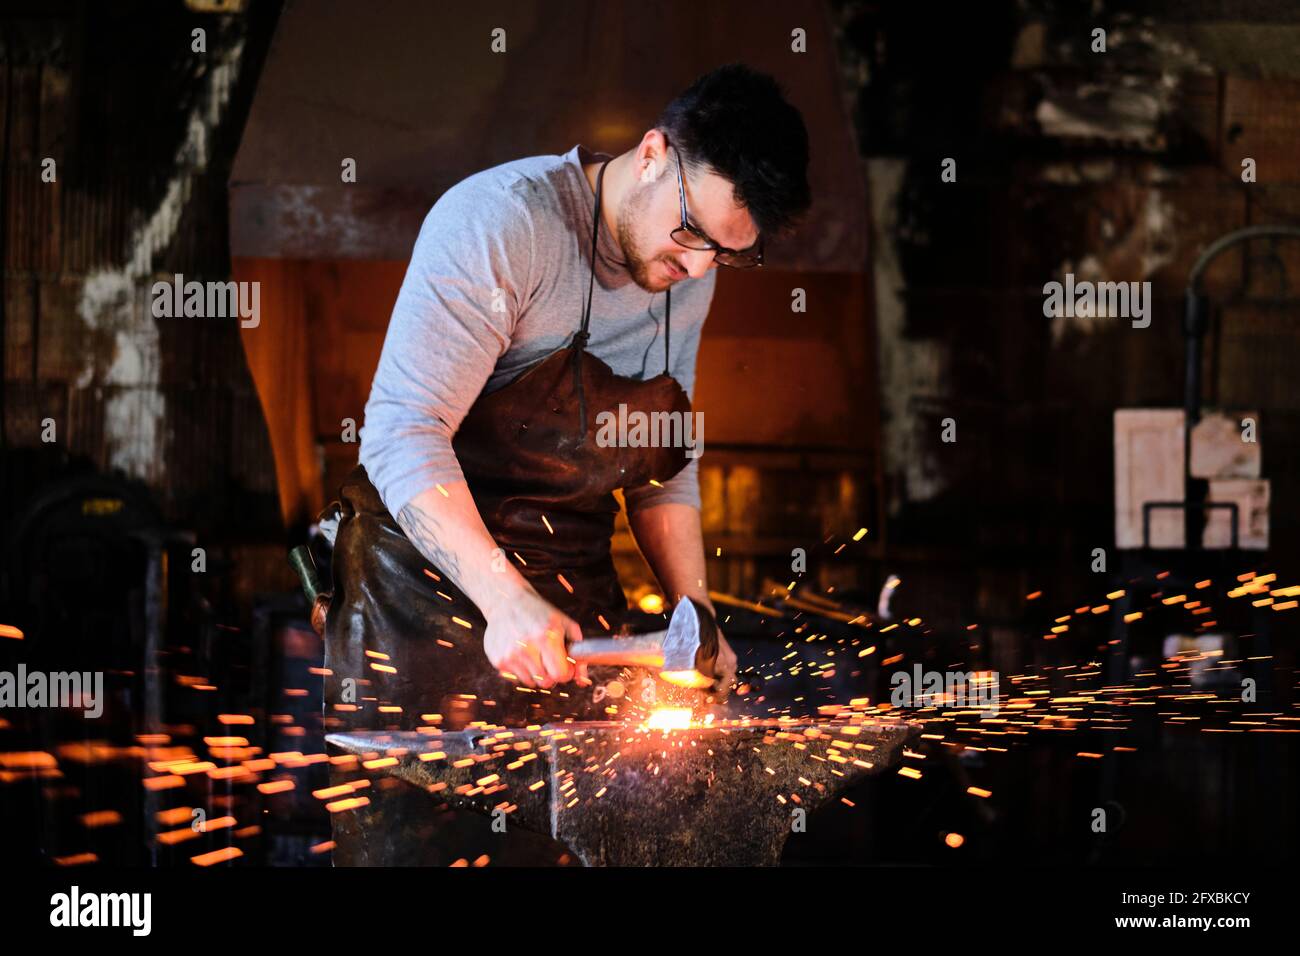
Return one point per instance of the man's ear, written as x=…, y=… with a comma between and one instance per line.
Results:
x=652, y=157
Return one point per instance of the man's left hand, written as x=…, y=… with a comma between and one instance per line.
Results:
x=724, y=667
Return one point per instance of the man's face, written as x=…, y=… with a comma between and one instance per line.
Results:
x=651, y=210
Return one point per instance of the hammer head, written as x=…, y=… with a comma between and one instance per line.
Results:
x=690, y=646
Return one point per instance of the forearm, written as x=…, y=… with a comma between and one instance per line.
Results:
x=670, y=537
x=449, y=532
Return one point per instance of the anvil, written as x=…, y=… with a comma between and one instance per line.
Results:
x=614, y=794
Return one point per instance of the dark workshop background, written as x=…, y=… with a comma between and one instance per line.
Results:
x=819, y=423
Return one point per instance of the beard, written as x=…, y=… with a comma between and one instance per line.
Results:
x=628, y=216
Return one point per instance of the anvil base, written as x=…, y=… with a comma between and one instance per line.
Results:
x=613, y=794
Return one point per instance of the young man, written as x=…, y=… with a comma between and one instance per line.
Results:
x=542, y=295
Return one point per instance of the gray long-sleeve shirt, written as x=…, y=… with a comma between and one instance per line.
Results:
x=497, y=282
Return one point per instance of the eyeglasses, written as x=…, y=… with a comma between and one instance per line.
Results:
x=688, y=237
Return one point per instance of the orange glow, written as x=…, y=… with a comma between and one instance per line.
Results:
x=175, y=816
x=173, y=837
x=651, y=603
x=691, y=678
x=351, y=803
x=100, y=818
x=329, y=793
x=217, y=856
x=28, y=760
x=669, y=718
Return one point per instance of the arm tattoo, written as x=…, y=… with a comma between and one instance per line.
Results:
x=424, y=530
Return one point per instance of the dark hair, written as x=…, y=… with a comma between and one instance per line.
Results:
x=736, y=122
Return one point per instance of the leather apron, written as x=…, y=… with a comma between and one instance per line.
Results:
x=397, y=652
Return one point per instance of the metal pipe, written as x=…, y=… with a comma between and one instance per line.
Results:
x=1236, y=237
x=1196, y=322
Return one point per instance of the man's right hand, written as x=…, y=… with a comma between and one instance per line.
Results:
x=526, y=638
x=525, y=634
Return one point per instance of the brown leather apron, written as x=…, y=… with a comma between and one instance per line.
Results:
x=394, y=645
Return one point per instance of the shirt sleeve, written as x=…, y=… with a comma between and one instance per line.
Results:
x=683, y=487
x=465, y=287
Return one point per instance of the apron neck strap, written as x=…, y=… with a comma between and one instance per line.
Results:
x=668, y=325
x=580, y=338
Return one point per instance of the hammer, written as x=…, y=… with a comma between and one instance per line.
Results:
x=684, y=653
